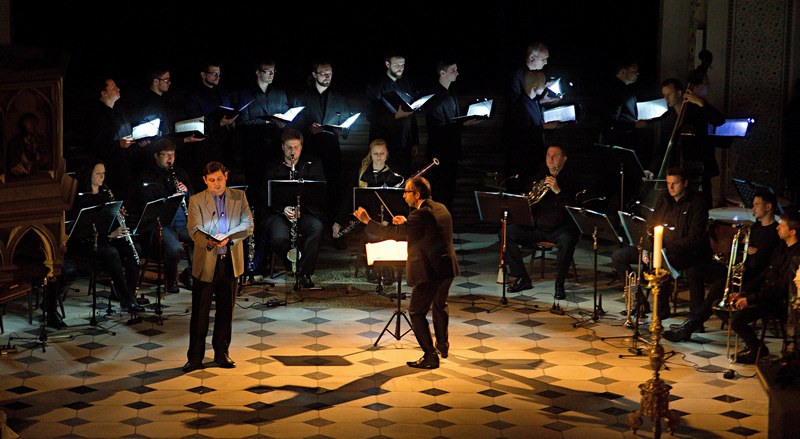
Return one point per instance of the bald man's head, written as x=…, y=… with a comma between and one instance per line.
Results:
x=535, y=82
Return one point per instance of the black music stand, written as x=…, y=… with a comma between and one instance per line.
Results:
x=397, y=264
x=382, y=204
x=597, y=226
x=247, y=279
x=747, y=191
x=156, y=213
x=629, y=165
x=90, y=223
x=282, y=193
x=500, y=207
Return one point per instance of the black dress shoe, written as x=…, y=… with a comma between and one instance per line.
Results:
x=521, y=284
x=443, y=348
x=305, y=281
x=186, y=278
x=55, y=322
x=749, y=355
x=224, y=361
x=425, y=362
x=683, y=332
x=189, y=367
x=560, y=294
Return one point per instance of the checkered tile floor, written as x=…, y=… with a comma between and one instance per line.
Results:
x=514, y=371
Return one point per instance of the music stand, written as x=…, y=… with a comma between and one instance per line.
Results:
x=747, y=191
x=381, y=203
x=629, y=164
x=598, y=226
x=90, y=223
x=155, y=214
x=500, y=207
x=282, y=193
x=395, y=259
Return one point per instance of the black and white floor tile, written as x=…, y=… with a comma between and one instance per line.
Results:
x=514, y=371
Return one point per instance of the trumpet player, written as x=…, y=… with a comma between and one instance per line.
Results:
x=161, y=179
x=551, y=222
x=768, y=292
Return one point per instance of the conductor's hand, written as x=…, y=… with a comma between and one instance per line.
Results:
x=288, y=212
x=362, y=215
x=552, y=183
x=399, y=219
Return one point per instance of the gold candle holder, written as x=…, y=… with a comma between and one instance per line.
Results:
x=655, y=392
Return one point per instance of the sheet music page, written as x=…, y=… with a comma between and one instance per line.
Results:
x=290, y=114
x=482, y=108
x=347, y=123
x=651, y=109
x=564, y=113
x=196, y=124
x=147, y=129
x=389, y=250
x=420, y=102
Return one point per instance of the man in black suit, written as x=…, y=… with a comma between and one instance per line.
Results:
x=430, y=268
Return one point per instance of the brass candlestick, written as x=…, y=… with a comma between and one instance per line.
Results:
x=655, y=392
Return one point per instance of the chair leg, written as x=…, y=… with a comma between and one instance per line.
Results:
x=675, y=297
x=272, y=266
x=575, y=270
x=542, y=264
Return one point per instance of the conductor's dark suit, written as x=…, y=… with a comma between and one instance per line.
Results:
x=430, y=268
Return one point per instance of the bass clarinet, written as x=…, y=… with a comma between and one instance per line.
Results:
x=121, y=221
x=353, y=224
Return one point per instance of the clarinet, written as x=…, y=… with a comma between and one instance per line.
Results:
x=251, y=249
x=177, y=189
x=121, y=221
x=293, y=255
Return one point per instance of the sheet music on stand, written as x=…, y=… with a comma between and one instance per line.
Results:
x=491, y=204
x=748, y=189
x=101, y=216
x=630, y=160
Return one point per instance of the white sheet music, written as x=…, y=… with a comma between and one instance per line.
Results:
x=290, y=114
x=147, y=129
x=651, y=109
x=564, y=113
x=482, y=108
x=196, y=124
x=346, y=124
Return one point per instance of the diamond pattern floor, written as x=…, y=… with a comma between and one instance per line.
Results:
x=514, y=371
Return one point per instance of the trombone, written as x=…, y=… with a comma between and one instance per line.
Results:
x=733, y=283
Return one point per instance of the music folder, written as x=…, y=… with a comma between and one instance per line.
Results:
x=399, y=99
x=162, y=209
x=227, y=112
x=286, y=117
x=101, y=217
x=195, y=126
x=651, y=109
x=479, y=110
x=344, y=125
x=146, y=129
x=587, y=220
x=492, y=205
x=386, y=251
x=564, y=113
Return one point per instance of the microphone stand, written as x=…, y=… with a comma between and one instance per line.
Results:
x=597, y=310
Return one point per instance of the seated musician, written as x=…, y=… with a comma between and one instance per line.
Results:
x=115, y=256
x=279, y=220
x=767, y=295
x=763, y=236
x=374, y=172
x=687, y=247
x=161, y=180
x=551, y=222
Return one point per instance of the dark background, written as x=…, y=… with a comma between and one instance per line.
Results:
x=124, y=38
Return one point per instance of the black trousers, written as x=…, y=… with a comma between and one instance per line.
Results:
x=428, y=295
x=222, y=289
x=565, y=238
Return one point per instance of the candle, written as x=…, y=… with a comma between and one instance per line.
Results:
x=658, y=238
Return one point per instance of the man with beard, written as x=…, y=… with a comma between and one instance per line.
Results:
x=399, y=129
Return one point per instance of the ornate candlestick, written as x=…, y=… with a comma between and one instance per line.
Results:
x=655, y=392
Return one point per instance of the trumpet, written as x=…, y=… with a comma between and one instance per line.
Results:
x=631, y=288
x=538, y=190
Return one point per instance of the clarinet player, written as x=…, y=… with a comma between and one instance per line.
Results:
x=161, y=179
x=280, y=221
x=223, y=213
